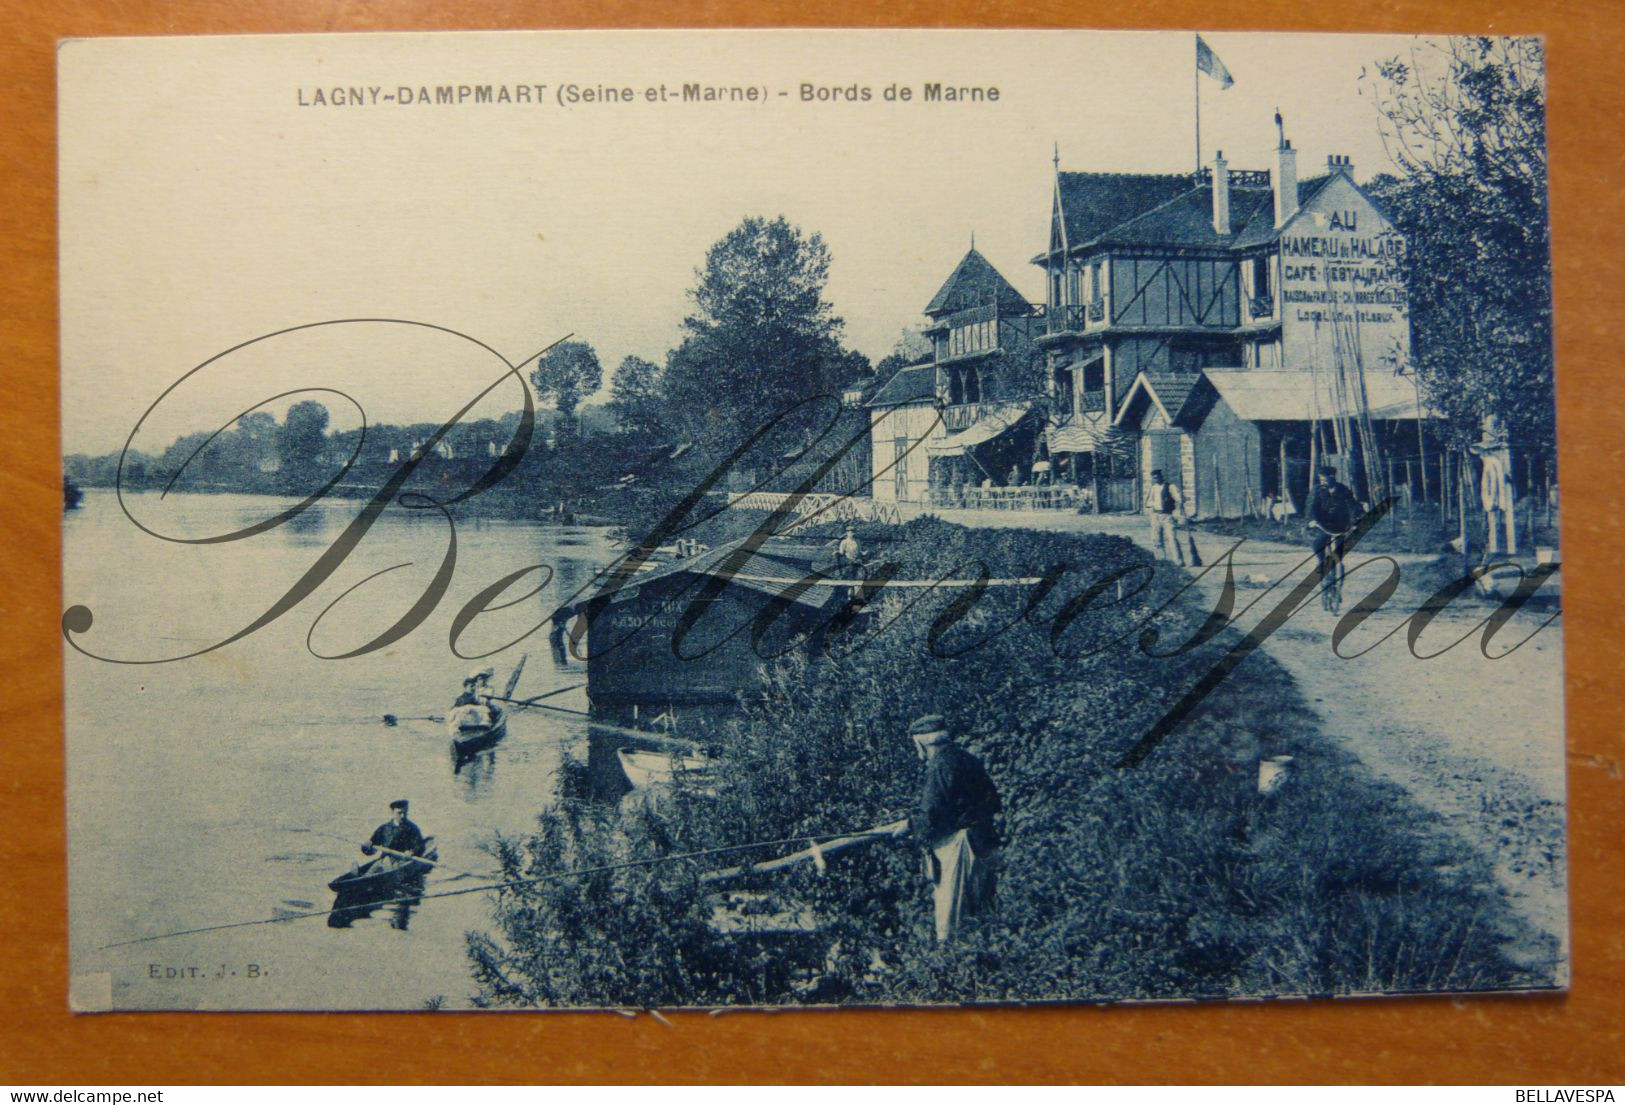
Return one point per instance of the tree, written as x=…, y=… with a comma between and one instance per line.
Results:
x=301, y=438
x=634, y=395
x=254, y=440
x=911, y=348
x=566, y=374
x=1464, y=121
x=762, y=338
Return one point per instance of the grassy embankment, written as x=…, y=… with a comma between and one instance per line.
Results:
x=1171, y=879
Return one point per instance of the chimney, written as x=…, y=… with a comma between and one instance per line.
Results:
x=1286, y=182
x=1340, y=163
x=1221, y=194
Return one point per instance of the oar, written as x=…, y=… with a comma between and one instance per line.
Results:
x=640, y=734
x=386, y=851
x=532, y=701
x=513, y=680
x=391, y=719
x=430, y=863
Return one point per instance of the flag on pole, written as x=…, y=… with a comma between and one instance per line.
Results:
x=1208, y=62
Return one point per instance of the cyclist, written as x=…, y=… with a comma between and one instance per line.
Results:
x=1332, y=513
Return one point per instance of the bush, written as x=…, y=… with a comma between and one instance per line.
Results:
x=1170, y=879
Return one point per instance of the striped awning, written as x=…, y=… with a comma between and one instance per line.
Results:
x=1081, y=437
x=1073, y=439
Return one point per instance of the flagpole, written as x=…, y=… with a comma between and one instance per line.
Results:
x=1196, y=93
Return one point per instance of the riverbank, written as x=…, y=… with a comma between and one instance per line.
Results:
x=1166, y=876
x=1473, y=737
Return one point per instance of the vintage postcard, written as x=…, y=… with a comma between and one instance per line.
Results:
x=722, y=519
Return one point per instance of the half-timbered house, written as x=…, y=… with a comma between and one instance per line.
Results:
x=1234, y=327
x=970, y=415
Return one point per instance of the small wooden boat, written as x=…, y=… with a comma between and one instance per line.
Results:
x=474, y=730
x=382, y=877
x=468, y=738
x=663, y=769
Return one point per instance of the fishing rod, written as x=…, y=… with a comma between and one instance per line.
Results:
x=289, y=915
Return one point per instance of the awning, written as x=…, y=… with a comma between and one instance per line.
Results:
x=1073, y=439
x=1087, y=438
x=983, y=430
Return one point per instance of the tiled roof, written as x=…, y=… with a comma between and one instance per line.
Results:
x=1142, y=209
x=975, y=283
x=1261, y=227
x=911, y=385
x=1187, y=220
x=1171, y=389
x=1093, y=203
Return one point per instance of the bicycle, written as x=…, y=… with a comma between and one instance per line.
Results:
x=1332, y=570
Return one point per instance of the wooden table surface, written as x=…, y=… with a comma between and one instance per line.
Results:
x=1523, y=1040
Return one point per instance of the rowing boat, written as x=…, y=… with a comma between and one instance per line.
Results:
x=381, y=877
x=658, y=769
x=476, y=728
x=469, y=737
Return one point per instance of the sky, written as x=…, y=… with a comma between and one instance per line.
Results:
x=206, y=200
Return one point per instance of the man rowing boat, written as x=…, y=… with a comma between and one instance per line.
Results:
x=397, y=834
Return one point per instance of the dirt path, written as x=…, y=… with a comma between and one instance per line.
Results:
x=1479, y=741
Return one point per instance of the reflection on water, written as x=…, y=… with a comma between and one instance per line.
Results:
x=209, y=790
x=351, y=906
x=476, y=771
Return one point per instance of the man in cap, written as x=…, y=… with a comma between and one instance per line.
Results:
x=958, y=802
x=397, y=834
x=1166, y=507
x=1332, y=513
x=848, y=555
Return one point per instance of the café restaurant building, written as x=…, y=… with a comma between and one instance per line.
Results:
x=1234, y=329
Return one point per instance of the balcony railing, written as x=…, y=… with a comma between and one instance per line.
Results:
x=1097, y=311
x=1092, y=400
x=1063, y=318
x=1262, y=306
x=957, y=417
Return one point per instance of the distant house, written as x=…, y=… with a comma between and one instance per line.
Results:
x=967, y=415
x=1229, y=329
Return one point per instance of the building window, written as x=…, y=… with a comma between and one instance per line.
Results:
x=1261, y=277
x=1073, y=275
x=973, y=386
x=1097, y=281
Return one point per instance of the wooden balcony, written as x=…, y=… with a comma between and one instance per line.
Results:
x=1064, y=318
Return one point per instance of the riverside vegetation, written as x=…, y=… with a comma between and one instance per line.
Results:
x=1171, y=879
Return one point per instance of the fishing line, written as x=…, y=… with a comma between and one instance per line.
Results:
x=511, y=884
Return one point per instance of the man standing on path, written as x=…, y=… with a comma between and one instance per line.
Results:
x=1166, y=507
x=955, y=823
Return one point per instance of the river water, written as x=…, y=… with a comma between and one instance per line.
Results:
x=222, y=788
